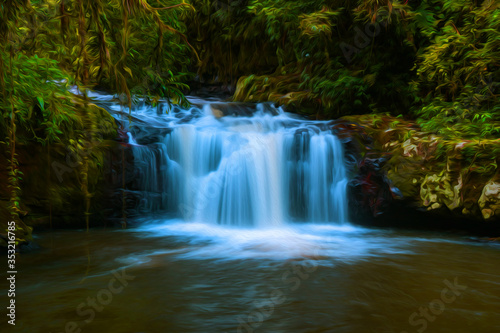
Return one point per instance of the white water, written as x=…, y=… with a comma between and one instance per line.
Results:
x=262, y=169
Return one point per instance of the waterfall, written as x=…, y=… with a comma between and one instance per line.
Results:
x=238, y=165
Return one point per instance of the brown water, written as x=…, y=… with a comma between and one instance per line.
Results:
x=182, y=277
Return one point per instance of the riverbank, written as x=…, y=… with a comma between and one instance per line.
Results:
x=62, y=182
x=406, y=176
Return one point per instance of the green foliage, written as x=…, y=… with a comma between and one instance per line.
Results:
x=42, y=104
x=433, y=60
x=458, y=73
x=117, y=45
x=111, y=44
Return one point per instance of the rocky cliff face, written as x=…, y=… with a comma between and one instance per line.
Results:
x=403, y=176
x=53, y=177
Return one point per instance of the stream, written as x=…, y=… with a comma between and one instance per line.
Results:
x=242, y=225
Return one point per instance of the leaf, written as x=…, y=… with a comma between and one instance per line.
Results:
x=128, y=70
x=40, y=101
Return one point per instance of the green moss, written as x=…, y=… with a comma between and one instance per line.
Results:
x=433, y=171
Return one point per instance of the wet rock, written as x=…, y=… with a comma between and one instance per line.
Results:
x=370, y=193
x=241, y=109
x=399, y=172
x=490, y=200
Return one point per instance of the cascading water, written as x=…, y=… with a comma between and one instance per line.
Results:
x=257, y=166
